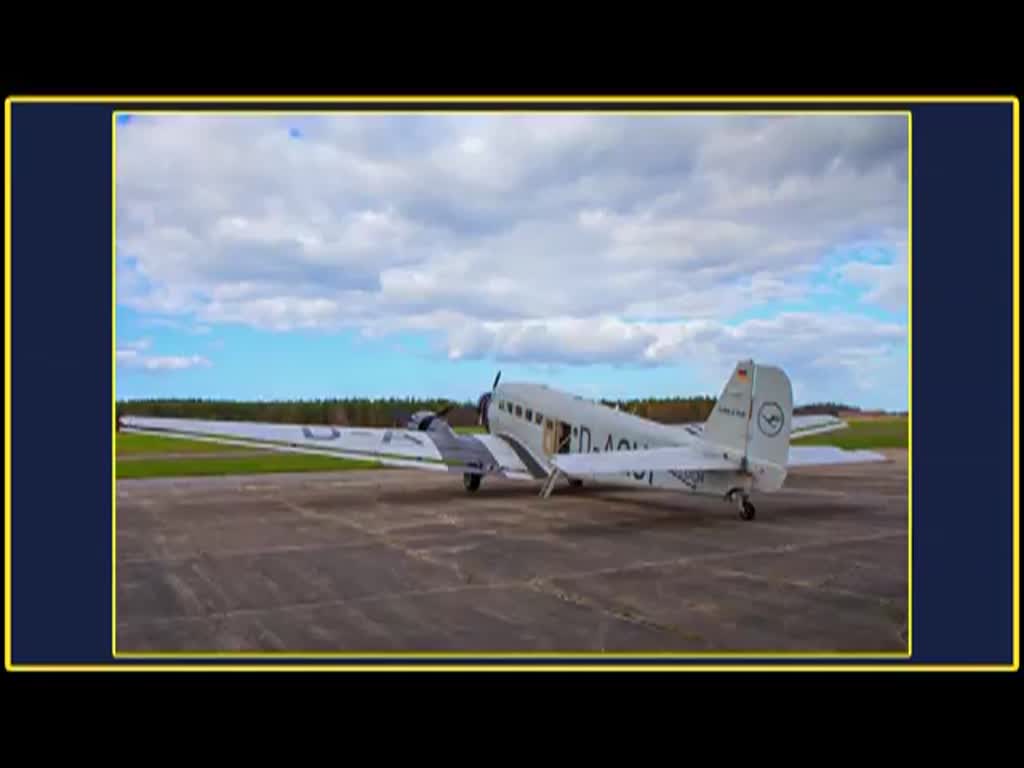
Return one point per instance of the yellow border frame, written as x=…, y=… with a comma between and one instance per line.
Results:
x=527, y=655
x=411, y=101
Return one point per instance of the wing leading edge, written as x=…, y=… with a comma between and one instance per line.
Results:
x=802, y=426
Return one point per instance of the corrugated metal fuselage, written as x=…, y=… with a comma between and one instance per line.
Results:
x=547, y=421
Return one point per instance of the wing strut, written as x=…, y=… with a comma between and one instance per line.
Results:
x=549, y=484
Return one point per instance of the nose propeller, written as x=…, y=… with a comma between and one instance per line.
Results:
x=484, y=402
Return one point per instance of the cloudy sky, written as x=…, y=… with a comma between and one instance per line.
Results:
x=616, y=256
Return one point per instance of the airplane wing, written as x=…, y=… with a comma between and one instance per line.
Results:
x=438, y=450
x=817, y=455
x=814, y=424
x=802, y=426
x=682, y=458
x=650, y=459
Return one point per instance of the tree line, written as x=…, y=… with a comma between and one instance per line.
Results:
x=667, y=410
x=831, y=409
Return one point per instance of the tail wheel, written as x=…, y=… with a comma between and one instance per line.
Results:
x=472, y=482
x=747, y=510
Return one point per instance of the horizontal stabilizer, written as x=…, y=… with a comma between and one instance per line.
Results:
x=647, y=460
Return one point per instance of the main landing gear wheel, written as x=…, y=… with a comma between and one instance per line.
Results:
x=747, y=510
x=472, y=482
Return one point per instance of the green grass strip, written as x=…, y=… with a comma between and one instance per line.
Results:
x=864, y=434
x=272, y=462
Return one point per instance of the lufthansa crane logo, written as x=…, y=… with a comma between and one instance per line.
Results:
x=770, y=419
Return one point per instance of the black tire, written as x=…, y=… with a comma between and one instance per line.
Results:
x=575, y=482
x=747, y=511
x=472, y=482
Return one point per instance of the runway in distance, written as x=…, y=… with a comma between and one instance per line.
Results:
x=540, y=434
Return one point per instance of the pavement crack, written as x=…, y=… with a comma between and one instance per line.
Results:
x=726, y=555
x=617, y=613
x=309, y=605
x=384, y=537
x=823, y=587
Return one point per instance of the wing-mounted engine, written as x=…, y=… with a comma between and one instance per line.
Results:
x=426, y=421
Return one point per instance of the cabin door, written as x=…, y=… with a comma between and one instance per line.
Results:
x=550, y=437
x=557, y=437
x=564, y=437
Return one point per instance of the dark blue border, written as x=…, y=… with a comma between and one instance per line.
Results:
x=962, y=343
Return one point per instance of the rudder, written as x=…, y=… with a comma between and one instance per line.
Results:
x=771, y=416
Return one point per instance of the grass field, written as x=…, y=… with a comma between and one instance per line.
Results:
x=864, y=434
x=243, y=465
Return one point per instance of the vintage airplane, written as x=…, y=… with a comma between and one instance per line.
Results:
x=537, y=433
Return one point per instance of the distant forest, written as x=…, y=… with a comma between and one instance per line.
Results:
x=396, y=411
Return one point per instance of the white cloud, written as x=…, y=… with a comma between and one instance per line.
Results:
x=133, y=348
x=130, y=355
x=571, y=238
x=800, y=339
x=886, y=283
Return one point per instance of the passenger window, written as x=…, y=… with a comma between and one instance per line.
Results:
x=540, y=418
x=519, y=410
x=529, y=414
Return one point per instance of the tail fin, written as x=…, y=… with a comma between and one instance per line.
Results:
x=753, y=415
x=728, y=422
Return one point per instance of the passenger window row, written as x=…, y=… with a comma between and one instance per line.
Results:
x=529, y=415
